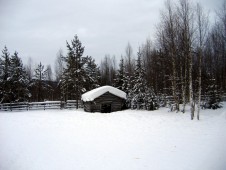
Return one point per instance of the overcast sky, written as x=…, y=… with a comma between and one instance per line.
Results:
x=39, y=28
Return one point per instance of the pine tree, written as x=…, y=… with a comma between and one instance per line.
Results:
x=5, y=85
x=19, y=80
x=39, y=83
x=74, y=78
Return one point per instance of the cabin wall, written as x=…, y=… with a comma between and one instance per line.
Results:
x=87, y=106
x=95, y=106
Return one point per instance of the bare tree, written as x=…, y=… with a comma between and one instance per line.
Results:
x=49, y=76
x=186, y=26
x=129, y=60
x=29, y=69
x=108, y=70
x=59, y=65
x=221, y=24
x=202, y=31
x=148, y=61
x=113, y=70
x=168, y=34
x=105, y=70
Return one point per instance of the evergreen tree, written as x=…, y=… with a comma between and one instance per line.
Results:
x=92, y=77
x=5, y=84
x=120, y=76
x=19, y=80
x=39, y=84
x=50, y=82
x=142, y=96
x=212, y=95
x=139, y=82
x=128, y=88
x=74, y=78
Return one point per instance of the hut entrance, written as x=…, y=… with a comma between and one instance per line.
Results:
x=106, y=108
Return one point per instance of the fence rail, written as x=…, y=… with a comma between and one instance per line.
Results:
x=69, y=104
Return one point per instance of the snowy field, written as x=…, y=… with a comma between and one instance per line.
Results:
x=125, y=140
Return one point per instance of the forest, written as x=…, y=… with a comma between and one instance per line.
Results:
x=185, y=63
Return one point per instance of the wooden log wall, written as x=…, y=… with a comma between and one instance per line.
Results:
x=107, y=98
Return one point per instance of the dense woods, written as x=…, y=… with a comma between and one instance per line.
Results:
x=186, y=63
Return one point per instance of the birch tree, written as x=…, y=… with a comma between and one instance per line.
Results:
x=186, y=26
x=168, y=34
x=202, y=32
x=129, y=60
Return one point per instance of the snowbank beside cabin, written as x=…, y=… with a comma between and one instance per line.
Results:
x=93, y=94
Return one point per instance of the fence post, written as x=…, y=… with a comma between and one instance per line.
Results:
x=61, y=104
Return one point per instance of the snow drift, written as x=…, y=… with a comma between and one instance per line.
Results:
x=125, y=140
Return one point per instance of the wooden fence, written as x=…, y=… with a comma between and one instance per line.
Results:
x=69, y=104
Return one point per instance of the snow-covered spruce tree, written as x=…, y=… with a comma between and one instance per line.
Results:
x=212, y=95
x=5, y=84
x=19, y=80
x=74, y=77
x=39, y=84
x=92, y=74
x=142, y=96
x=128, y=89
x=120, y=76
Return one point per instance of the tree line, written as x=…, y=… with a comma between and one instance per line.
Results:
x=186, y=61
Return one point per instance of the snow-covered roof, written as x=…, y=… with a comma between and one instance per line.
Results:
x=93, y=94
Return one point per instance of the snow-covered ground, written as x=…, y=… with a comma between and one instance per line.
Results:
x=125, y=140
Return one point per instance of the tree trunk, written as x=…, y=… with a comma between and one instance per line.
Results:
x=183, y=88
x=199, y=80
x=190, y=87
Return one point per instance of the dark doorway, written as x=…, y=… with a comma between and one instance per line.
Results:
x=106, y=108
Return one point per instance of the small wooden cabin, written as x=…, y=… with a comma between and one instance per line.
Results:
x=104, y=99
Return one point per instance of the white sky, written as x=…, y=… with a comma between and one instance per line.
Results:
x=39, y=28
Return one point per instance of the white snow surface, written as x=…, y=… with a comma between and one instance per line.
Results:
x=124, y=140
x=93, y=94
